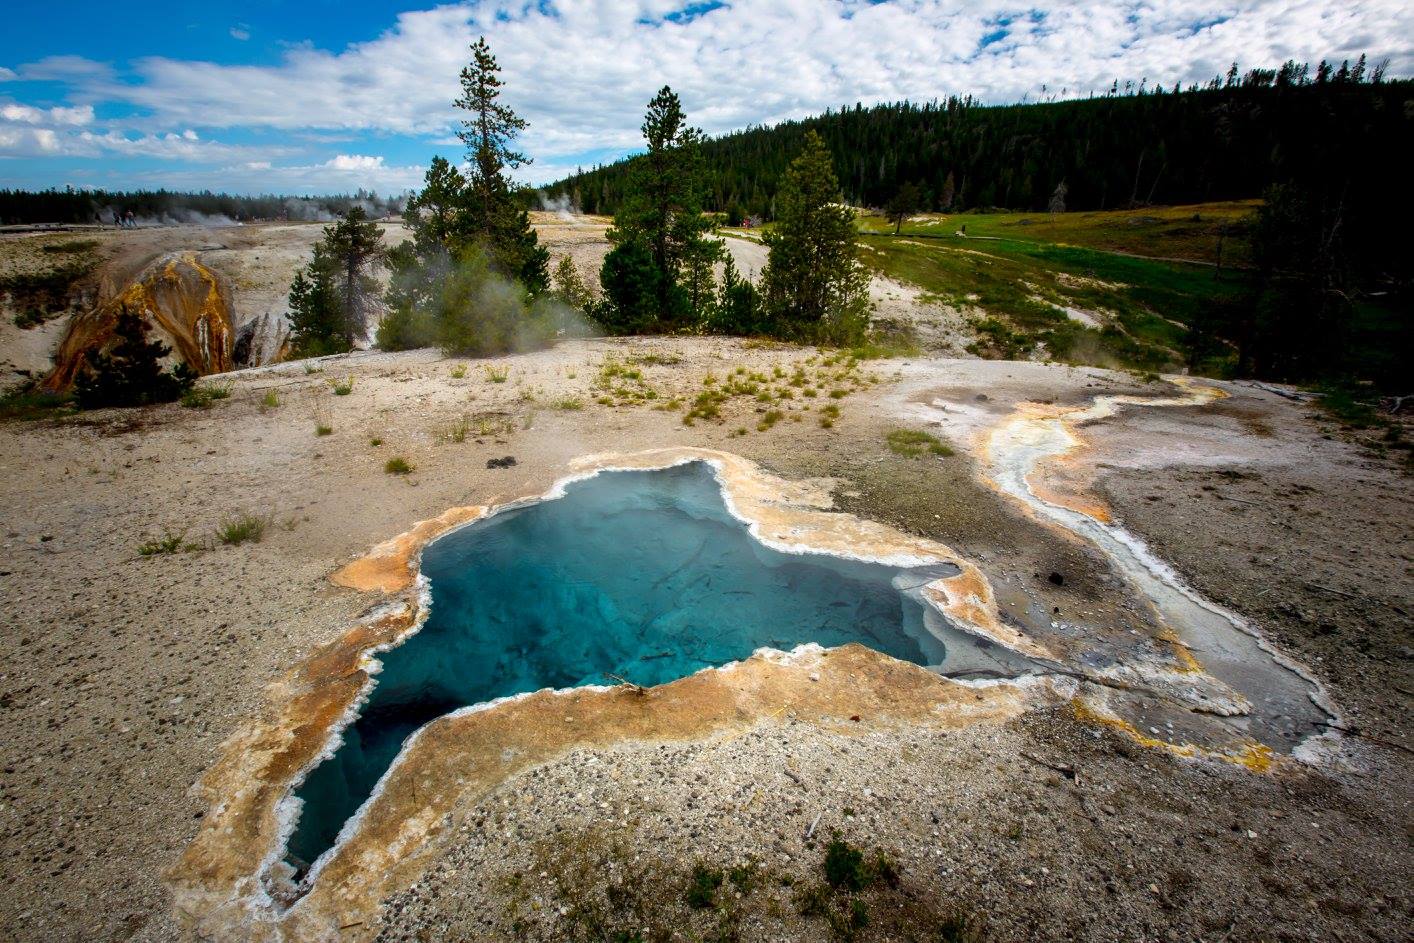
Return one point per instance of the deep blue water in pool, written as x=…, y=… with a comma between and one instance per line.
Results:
x=643, y=575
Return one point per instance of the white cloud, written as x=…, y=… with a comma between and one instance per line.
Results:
x=26, y=114
x=263, y=176
x=354, y=162
x=581, y=71
x=241, y=32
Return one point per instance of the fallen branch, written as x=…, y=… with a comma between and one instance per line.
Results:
x=633, y=688
x=1064, y=769
x=1285, y=394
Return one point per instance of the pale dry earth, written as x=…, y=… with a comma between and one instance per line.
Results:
x=123, y=674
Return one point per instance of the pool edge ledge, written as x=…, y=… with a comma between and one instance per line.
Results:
x=222, y=884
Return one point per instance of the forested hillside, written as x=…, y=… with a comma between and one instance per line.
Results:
x=170, y=206
x=1133, y=146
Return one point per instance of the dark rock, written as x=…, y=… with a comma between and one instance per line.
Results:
x=506, y=462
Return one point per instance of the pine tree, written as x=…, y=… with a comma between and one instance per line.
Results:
x=570, y=287
x=738, y=305
x=130, y=372
x=489, y=133
x=904, y=203
x=662, y=217
x=441, y=230
x=354, y=245
x=1057, y=204
x=814, y=286
x=316, y=327
x=436, y=215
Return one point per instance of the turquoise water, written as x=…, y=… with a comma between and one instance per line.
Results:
x=643, y=575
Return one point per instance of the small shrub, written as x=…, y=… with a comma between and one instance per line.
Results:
x=343, y=387
x=397, y=466
x=573, y=403
x=375, y=442
x=459, y=429
x=270, y=400
x=844, y=866
x=911, y=443
x=702, y=887
x=769, y=419
x=310, y=369
x=239, y=528
x=169, y=542
x=129, y=372
x=459, y=371
x=497, y=374
x=743, y=877
x=322, y=429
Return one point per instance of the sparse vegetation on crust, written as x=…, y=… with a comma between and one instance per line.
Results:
x=239, y=528
x=912, y=443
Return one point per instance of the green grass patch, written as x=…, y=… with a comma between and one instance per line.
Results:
x=201, y=397
x=397, y=466
x=702, y=887
x=170, y=542
x=343, y=387
x=30, y=403
x=239, y=528
x=1350, y=405
x=1020, y=287
x=911, y=443
x=70, y=247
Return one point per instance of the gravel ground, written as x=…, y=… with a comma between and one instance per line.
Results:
x=123, y=673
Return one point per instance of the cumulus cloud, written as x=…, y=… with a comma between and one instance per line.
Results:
x=354, y=162
x=263, y=176
x=581, y=71
x=26, y=114
x=241, y=32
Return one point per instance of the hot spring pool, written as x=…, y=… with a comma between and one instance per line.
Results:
x=643, y=575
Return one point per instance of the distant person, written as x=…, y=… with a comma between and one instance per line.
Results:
x=130, y=221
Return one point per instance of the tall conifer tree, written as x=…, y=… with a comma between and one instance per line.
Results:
x=489, y=132
x=660, y=230
x=814, y=287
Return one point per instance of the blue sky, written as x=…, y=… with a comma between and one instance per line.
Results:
x=319, y=96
